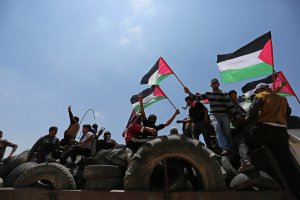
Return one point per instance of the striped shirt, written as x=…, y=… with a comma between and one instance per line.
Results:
x=220, y=102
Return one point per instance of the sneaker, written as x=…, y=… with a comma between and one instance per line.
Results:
x=246, y=166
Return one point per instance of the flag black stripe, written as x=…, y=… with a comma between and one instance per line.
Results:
x=146, y=77
x=251, y=47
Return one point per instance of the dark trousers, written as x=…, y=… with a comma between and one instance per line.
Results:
x=197, y=129
x=277, y=140
x=74, y=151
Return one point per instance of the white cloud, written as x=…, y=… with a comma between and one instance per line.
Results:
x=135, y=30
x=143, y=6
x=124, y=41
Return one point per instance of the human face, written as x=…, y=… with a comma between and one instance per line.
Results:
x=53, y=132
x=106, y=136
x=233, y=96
x=215, y=85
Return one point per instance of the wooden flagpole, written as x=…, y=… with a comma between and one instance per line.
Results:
x=167, y=97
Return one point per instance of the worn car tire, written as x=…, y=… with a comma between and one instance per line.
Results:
x=9, y=165
x=58, y=175
x=150, y=154
x=257, y=180
x=104, y=184
x=102, y=172
x=14, y=174
x=117, y=157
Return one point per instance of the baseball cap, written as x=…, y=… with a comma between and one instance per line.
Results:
x=261, y=86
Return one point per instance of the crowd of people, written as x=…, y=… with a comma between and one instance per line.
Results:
x=236, y=131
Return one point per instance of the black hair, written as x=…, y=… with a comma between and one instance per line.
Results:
x=188, y=98
x=53, y=128
x=87, y=126
x=76, y=118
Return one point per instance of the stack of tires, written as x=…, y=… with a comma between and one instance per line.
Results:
x=19, y=173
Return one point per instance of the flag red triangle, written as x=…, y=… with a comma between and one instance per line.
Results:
x=163, y=67
x=287, y=89
x=157, y=91
x=266, y=54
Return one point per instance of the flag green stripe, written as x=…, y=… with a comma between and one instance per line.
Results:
x=161, y=77
x=137, y=108
x=233, y=75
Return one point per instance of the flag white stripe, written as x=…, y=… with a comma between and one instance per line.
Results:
x=240, y=62
x=145, y=100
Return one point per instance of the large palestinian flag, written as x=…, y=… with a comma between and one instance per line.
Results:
x=150, y=96
x=254, y=59
x=285, y=90
x=157, y=73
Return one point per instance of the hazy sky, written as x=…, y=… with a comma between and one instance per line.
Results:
x=92, y=54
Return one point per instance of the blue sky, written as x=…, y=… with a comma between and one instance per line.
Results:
x=92, y=55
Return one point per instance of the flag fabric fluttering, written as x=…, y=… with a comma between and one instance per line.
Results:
x=252, y=60
x=285, y=90
x=150, y=96
x=157, y=73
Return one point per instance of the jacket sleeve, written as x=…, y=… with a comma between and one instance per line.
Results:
x=253, y=112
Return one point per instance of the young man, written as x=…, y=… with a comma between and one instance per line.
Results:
x=151, y=120
x=5, y=143
x=270, y=111
x=220, y=103
x=134, y=130
x=199, y=118
x=106, y=142
x=84, y=147
x=71, y=132
x=47, y=147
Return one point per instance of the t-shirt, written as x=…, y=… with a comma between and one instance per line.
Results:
x=84, y=137
x=197, y=112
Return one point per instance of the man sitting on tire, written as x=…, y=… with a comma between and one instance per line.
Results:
x=134, y=131
x=47, y=147
x=4, y=144
x=83, y=148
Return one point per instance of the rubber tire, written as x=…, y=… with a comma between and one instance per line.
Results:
x=102, y=172
x=148, y=155
x=58, y=175
x=260, y=179
x=14, y=174
x=176, y=176
x=228, y=167
x=104, y=184
x=15, y=161
x=117, y=157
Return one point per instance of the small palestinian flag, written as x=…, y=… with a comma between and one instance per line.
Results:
x=285, y=90
x=157, y=73
x=254, y=59
x=150, y=96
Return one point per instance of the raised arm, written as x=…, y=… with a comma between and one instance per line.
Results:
x=71, y=116
x=167, y=123
x=140, y=97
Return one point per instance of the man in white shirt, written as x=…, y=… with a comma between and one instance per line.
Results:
x=84, y=147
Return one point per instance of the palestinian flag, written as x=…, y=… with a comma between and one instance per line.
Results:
x=254, y=59
x=285, y=90
x=150, y=96
x=157, y=73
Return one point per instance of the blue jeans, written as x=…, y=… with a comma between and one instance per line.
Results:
x=221, y=124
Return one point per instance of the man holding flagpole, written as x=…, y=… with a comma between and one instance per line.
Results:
x=220, y=103
x=151, y=120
